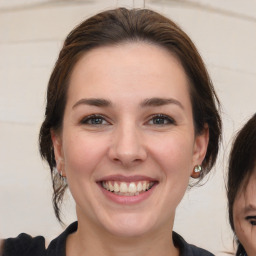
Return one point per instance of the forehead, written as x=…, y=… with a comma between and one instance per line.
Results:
x=246, y=195
x=132, y=65
x=139, y=55
x=249, y=182
x=251, y=186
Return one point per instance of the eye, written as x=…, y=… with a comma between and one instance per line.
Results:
x=161, y=120
x=252, y=220
x=94, y=120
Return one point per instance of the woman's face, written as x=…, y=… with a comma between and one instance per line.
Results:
x=244, y=212
x=128, y=144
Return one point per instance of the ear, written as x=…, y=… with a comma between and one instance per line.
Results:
x=58, y=153
x=200, y=146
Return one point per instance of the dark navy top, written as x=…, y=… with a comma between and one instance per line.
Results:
x=25, y=245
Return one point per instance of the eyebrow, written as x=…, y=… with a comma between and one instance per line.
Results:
x=151, y=102
x=249, y=208
x=156, y=102
x=93, y=102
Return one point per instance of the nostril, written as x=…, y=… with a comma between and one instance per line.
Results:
x=137, y=160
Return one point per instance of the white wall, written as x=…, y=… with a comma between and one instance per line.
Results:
x=31, y=34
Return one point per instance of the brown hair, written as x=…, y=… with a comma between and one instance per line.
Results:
x=114, y=27
x=242, y=161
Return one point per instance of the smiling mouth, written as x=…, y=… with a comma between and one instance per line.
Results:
x=127, y=188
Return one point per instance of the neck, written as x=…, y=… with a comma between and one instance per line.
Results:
x=90, y=241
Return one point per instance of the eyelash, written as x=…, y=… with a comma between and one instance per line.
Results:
x=252, y=220
x=89, y=119
x=158, y=119
x=163, y=118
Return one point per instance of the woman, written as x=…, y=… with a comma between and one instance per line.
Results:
x=242, y=189
x=131, y=114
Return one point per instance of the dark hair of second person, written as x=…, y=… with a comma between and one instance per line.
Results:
x=241, y=176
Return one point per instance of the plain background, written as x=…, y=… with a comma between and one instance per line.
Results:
x=31, y=35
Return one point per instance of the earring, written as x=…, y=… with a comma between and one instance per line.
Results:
x=196, y=171
x=59, y=169
x=61, y=174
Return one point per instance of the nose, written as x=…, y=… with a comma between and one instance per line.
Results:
x=127, y=146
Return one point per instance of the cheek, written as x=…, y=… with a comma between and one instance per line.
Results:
x=82, y=154
x=245, y=232
x=175, y=154
x=239, y=227
x=237, y=217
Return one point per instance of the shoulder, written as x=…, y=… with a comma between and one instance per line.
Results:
x=24, y=245
x=58, y=245
x=188, y=249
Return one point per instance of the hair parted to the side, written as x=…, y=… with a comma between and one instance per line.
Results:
x=116, y=27
x=242, y=161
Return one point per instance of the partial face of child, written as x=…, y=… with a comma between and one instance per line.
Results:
x=244, y=212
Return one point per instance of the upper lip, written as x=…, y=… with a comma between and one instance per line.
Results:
x=123, y=178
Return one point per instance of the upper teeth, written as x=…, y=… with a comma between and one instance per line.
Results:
x=125, y=187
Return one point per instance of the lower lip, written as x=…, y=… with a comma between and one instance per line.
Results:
x=126, y=200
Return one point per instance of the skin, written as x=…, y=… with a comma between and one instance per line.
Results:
x=244, y=212
x=127, y=140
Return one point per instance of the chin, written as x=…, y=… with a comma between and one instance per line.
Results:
x=130, y=226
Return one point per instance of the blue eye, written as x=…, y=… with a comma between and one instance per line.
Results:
x=94, y=120
x=161, y=119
